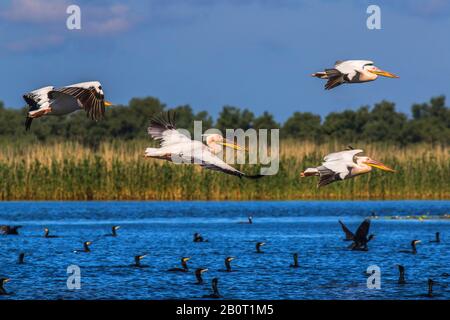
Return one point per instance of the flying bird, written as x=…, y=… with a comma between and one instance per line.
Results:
x=343, y=165
x=54, y=101
x=351, y=71
x=360, y=238
x=178, y=148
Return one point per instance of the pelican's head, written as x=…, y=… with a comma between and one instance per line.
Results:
x=214, y=141
x=373, y=163
x=378, y=72
x=98, y=87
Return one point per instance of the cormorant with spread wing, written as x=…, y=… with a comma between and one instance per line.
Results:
x=360, y=238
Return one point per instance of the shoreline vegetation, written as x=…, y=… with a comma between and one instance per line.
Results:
x=117, y=171
x=74, y=158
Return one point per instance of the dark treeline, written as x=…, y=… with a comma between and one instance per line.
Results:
x=429, y=123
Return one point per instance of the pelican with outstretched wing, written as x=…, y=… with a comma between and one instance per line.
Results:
x=53, y=101
x=351, y=71
x=344, y=165
x=178, y=148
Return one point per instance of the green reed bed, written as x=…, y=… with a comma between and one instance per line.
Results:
x=118, y=171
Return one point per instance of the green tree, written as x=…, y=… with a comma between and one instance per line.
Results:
x=302, y=125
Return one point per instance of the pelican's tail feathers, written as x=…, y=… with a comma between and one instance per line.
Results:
x=309, y=172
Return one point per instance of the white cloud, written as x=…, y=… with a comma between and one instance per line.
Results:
x=36, y=11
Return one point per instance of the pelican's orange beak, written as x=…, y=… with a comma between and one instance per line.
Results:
x=378, y=165
x=232, y=145
x=108, y=104
x=384, y=73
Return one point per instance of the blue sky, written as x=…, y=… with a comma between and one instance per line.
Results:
x=255, y=54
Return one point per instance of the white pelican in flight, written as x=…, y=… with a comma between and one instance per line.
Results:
x=351, y=71
x=343, y=165
x=61, y=101
x=178, y=148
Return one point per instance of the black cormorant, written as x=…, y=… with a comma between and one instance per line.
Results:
x=413, y=247
x=430, y=288
x=86, y=245
x=113, y=231
x=2, y=288
x=228, y=263
x=199, y=238
x=10, y=230
x=137, y=261
x=258, y=247
x=250, y=220
x=437, y=239
x=21, y=259
x=215, y=294
x=184, y=265
x=47, y=234
x=198, y=275
x=295, y=256
x=360, y=239
x=401, y=277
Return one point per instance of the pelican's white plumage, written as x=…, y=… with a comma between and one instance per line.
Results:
x=61, y=101
x=178, y=148
x=351, y=71
x=343, y=165
x=341, y=162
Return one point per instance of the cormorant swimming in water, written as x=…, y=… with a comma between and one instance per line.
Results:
x=250, y=220
x=215, y=294
x=86, y=245
x=137, y=261
x=437, y=239
x=413, y=247
x=295, y=256
x=10, y=230
x=401, y=277
x=47, y=234
x=184, y=265
x=430, y=288
x=360, y=238
x=21, y=258
x=258, y=247
x=2, y=289
x=198, y=275
x=113, y=231
x=199, y=238
x=228, y=263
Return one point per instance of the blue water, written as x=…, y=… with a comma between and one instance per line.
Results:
x=164, y=231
